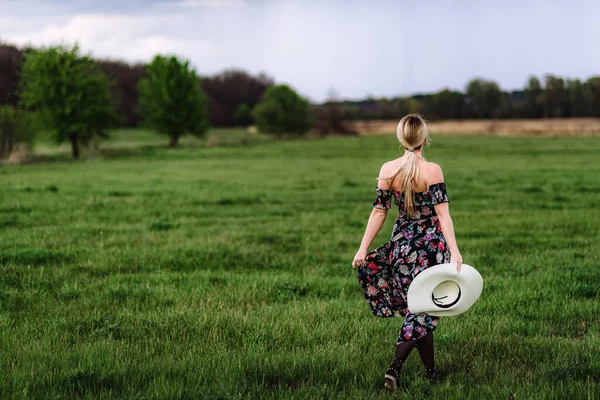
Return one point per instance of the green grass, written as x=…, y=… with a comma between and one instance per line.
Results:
x=143, y=142
x=224, y=272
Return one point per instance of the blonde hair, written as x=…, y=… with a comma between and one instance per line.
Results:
x=412, y=134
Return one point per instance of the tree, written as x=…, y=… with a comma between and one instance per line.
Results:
x=126, y=78
x=386, y=109
x=230, y=89
x=282, y=110
x=243, y=115
x=557, y=100
x=409, y=105
x=448, y=104
x=485, y=98
x=592, y=89
x=534, y=98
x=330, y=119
x=172, y=100
x=70, y=94
x=10, y=62
x=579, y=99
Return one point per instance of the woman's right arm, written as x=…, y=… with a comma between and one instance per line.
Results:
x=443, y=212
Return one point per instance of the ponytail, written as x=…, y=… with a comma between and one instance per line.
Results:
x=409, y=173
x=412, y=134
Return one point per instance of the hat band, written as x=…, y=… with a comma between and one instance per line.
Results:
x=442, y=305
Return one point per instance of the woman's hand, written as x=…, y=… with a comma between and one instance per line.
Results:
x=360, y=258
x=457, y=258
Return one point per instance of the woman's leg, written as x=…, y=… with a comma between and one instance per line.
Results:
x=392, y=375
x=408, y=337
x=418, y=328
x=425, y=349
x=404, y=346
x=403, y=350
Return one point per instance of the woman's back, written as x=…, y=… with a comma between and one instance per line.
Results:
x=429, y=174
x=429, y=189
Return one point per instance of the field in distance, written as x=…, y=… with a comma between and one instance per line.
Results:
x=539, y=127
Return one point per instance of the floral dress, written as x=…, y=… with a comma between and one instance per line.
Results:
x=416, y=244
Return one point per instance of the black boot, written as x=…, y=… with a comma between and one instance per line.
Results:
x=432, y=375
x=392, y=375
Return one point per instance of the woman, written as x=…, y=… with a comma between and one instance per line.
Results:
x=423, y=236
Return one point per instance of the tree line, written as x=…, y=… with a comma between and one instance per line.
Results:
x=226, y=91
x=77, y=99
x=549, y=97
x=74, y=99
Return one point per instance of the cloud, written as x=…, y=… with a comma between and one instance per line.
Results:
x=133, y=38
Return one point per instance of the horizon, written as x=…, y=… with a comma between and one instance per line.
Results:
x=467, y=41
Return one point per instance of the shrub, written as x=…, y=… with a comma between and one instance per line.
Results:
x=17, y=128
x=282, y=111
x=330, y=119
x=243, y=115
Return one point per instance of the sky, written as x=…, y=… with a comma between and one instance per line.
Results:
x=350, y=48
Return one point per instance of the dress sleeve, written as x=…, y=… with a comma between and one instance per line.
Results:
x=438, y=193
x=383, y=199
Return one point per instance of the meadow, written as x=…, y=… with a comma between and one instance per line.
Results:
x=222, y=270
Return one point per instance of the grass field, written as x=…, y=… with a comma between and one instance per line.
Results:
x=224, y=271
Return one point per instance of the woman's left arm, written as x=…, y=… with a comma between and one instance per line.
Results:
x=376, y=220
x=380, y=209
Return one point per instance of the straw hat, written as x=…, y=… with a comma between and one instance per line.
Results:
x=441, y=291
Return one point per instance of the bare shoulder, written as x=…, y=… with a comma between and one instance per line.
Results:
x=432, y=173
x=387, y=170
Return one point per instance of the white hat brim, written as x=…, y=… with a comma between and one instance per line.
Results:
x=420, y=297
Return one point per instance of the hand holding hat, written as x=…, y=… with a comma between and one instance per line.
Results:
x=441, y=290
x=456, y=258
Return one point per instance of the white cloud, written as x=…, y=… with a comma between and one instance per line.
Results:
x=133, y=38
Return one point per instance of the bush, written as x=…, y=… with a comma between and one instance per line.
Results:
x=330, y=119
x=282, y=111
x=243, y=115
x=172, y=100
x=17, y=128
